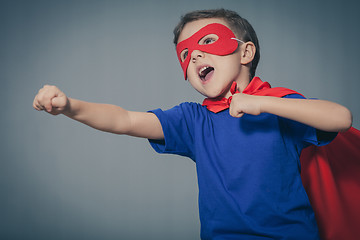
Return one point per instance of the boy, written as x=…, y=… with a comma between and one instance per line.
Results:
x=245, y=142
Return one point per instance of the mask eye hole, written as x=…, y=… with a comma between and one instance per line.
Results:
x=184, y=54
x=208, y=39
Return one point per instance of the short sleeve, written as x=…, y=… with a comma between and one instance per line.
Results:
x=306, y=135
x=177, y=125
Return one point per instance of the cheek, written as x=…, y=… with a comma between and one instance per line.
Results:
x=232, y=63
x=191, y=72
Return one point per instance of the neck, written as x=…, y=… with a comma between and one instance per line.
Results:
x=242, y=83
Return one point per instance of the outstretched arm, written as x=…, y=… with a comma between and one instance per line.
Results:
x=104, y=117
x=320, y=114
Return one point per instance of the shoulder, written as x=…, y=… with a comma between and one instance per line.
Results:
x=188, y=108
x=294, y=95
x=190, y=105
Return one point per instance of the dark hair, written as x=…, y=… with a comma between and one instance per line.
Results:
x=240, y=26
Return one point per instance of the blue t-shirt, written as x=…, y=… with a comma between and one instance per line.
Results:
x=248, y=171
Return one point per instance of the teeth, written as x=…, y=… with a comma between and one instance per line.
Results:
x=202, y=69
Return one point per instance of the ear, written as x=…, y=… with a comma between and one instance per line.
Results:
x=248, y=51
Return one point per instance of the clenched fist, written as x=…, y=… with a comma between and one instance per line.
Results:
x=244, y=103
x=51, y=99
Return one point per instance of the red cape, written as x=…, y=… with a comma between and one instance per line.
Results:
x=331, y=177
x=330, y=174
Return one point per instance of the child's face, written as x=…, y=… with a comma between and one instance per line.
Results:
x=210, y=74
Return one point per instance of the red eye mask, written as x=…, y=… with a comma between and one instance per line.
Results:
x=224, y=45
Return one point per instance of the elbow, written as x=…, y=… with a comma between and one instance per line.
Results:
x=346, y=119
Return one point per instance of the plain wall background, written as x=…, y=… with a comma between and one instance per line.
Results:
x=60, y=179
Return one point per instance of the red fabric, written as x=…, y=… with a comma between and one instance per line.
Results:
x=331, y=177
x=330, y=174
x=224, y=45
x=255, y=87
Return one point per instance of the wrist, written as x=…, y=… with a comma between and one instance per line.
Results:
x=264, y=102
x=69, y=107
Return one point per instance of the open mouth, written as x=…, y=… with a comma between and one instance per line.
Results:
x=205, y=73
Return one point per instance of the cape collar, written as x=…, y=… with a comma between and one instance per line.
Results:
x=255, y=87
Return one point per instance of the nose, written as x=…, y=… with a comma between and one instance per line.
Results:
x=196, y=54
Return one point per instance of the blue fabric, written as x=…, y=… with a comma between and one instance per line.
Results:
x=248, y=171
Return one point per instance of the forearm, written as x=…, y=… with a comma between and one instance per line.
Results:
x=320, y=114
x=114, y=119
x=104, y=117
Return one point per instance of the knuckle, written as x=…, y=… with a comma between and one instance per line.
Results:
x=41, y=90
x=48, y=87
x=40, y=98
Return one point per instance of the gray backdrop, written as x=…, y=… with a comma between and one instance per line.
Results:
x=60, y=179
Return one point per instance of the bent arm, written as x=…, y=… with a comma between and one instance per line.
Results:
x=114, y=119
x=320, y=114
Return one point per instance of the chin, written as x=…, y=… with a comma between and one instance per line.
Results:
x=214, y=94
